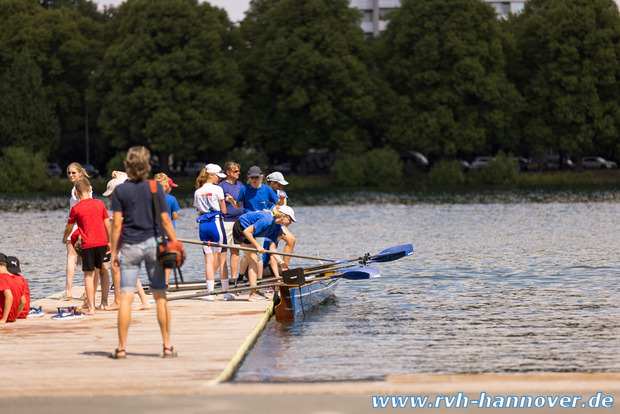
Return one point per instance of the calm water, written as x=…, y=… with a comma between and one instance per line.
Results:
x=499, y=282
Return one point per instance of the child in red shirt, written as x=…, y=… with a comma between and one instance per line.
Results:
x=14, y=268
x=12, y=299
x=93, y=221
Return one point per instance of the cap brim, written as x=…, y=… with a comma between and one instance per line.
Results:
x=172, y=185
x=221, y=175
x=283, y=182
x=108, y=192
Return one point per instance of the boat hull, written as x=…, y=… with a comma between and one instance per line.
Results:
x=295, y=300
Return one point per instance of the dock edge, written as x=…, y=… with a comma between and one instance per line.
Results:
x=241, y=352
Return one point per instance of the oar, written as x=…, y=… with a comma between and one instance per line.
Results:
x=392, y=253
x=252, y=249
x=352, y=274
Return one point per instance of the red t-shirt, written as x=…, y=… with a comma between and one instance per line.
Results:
x=26, y=293
x=89, y=214
x=8, y=281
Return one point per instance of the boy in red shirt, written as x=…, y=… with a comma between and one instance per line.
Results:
x=12, y=300
x=94, y=223
x=14, y=268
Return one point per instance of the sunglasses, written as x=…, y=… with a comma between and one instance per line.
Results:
x=255, y=178
x=233, y=171
x=72, y=172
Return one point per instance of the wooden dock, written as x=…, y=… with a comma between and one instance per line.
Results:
x=46, y=357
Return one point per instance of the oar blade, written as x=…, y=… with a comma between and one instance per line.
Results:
x=393, y=253
x=360, y=273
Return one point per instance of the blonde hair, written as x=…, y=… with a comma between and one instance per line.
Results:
x=162, y=179
x=137, y=163
x=203, y=177
x=79, y=169
x=276, y=213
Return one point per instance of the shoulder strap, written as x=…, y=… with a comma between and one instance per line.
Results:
x=153, y=185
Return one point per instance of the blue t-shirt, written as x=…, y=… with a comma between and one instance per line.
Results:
x=135, y=201
x=232, y=213
x=173, y=205
x=255, y=199
x=264, y=224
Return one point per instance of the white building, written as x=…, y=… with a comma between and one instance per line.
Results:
x=374, y=10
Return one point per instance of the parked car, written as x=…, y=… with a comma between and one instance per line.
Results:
x=53, y=170
x=481, y=162
x=90, y=170
x=597, y=163
x=415, y=157
x=553, y=163
x=193, y=169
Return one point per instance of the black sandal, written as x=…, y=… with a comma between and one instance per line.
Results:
x=115, y=354
x=172, y=354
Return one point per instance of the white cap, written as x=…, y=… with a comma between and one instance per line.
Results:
x=277, y=177
x=215, y=169
x=288, y=211
x=112, y=184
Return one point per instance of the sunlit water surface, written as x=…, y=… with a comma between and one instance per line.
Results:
x=498, y=283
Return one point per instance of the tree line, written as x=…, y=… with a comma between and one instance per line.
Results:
x=446, y=78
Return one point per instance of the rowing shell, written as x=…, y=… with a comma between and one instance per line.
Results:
x=297, y=299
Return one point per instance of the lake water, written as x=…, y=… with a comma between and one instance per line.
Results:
x=499, y=282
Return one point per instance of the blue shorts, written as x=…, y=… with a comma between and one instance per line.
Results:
x=131, y=258
x=211, y=228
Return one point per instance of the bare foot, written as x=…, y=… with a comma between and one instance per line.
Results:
x=102, y=307
x=112, y=307
x=90, y=313
x=142, y=306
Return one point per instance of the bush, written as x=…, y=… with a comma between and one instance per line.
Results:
x=504, y=170
x=382, y=168
x=448, y=173
x=22, y=170
x=378, y=168
x=348, y=172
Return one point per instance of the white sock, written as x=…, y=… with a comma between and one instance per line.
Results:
x=224, y=284
x=210, y=285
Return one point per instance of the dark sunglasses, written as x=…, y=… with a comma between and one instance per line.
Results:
x=233, y=171
x=72, y=172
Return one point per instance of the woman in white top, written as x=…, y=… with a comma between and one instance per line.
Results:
x=74, y=172
x=211, y=206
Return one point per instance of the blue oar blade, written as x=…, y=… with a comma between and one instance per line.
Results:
x=360, y=273
x=393, y=253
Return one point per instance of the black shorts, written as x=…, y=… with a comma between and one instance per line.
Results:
x=93, y=258
x=238, y=236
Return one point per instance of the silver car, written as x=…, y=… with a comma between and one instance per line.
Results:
x=597, y=163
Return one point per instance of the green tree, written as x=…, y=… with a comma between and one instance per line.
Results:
x=568, y=71
x=308, y=86
x=27, y=117
x=63, y=43
x=444, y=62
x=169, y=80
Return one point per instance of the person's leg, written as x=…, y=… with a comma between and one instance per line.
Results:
x=289, y=239
x=144, y=300
x=124, y=319
x=71, y=256
x=116, y=279
x=89, y=287
x=252, y=268
x=164, y=320
x=167, y=275
x=104, y=277
x=234, y=263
